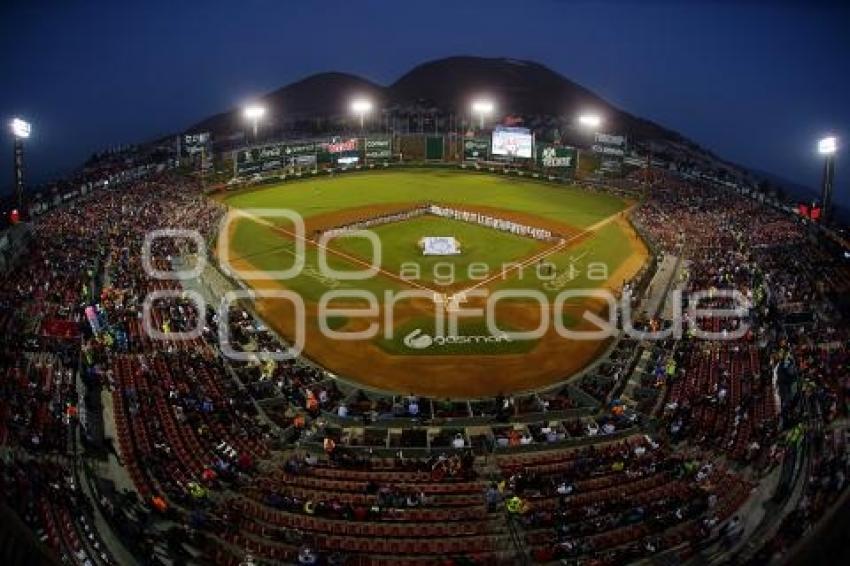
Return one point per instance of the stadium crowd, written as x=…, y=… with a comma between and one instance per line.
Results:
x=212, y=446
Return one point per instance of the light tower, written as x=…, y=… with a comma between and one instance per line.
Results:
x=254, y=113
x=827, y=147
x=361, y=107
x=589, y=123
x=21, y=129
x=482, y=107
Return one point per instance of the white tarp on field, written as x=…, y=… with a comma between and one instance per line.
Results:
x=440, y=245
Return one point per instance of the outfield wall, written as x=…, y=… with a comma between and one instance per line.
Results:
x=300, y=155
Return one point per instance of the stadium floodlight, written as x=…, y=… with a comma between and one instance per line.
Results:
x=21, y=128
x=254, y=113
x=361, y=107
x=828, y=145
x=590, y=120
x=482, y=107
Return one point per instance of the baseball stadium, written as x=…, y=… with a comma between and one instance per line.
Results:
x=473, y=315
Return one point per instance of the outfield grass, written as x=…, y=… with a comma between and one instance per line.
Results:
x=312, y=196
x=268, y=251
x=581, y=266
x=479, y=245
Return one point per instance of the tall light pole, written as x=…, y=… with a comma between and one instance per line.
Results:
x=589, y=123
x=254, y=113
x=827, y=147
x=21, y=129
x=361, y=107
x=483, y=108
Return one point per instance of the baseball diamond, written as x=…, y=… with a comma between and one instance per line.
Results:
x=588, y=226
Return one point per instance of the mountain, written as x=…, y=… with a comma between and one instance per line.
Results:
x=517, y=87
x=445, y=87
x=317, y=96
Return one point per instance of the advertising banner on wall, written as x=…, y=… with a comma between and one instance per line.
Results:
x=561, y=157
x=271, y=157
x=302, y=160
x=193, y=144
x=344, y=151
x=475, y=149
x=609, y=145
x=609, y=150
x=302, y=148
x=259, y=159
x=340, y=145
x=378, y=148
x=608, y=139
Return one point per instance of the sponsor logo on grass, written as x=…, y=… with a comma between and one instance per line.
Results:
x=419, y=340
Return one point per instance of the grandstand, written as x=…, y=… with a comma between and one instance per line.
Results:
x=148, y=414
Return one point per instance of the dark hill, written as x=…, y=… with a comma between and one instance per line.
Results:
x=518, y=87
x=323, y=95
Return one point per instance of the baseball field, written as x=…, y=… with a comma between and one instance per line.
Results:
x=481, y=319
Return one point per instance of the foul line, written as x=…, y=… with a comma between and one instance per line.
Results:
x=545, y=253
x=351, y=258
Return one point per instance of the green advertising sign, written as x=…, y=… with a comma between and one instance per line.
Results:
x=302, y=148
x=276, y=156
x=259, y=159
x=556, y=156
x=475, y=148
x=298, y=153
x=378, y=148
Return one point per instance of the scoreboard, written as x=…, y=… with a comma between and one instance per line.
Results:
x=513, y=142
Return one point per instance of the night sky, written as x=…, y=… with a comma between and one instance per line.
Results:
x=757, y=82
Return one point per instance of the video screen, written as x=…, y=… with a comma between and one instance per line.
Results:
x=512, y=142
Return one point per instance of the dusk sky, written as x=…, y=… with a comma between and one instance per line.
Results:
x=757, y=82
